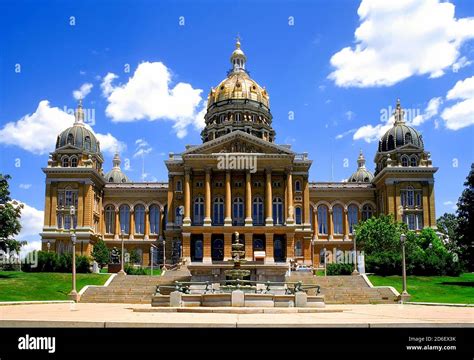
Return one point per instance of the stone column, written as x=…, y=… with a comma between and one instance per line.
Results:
x=117, y=225
x=161, y=230
x=268, y=199
x=227, y=246
x=269, y=259
x=206, y=247
x=228, y=200
x=346, y=224
x=132, y=223
x=306, y=203
x=331, y=225
x=249, y=246
x=248, y=198
x=315, y=222
x=170, y=217
x=207, y=200
x=289, y=186
x=147, y=224
x=187, y=198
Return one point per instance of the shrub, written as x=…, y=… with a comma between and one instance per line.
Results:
x=131, y=270
x=339, y=269
x=52, y=262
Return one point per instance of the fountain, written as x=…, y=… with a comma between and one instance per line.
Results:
x=235, y=277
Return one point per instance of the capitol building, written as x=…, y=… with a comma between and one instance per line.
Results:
x=238, y=182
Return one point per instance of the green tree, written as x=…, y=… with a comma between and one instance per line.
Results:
x=10, y=214
x=447, y=224
x=100, y=253
x=134, y=257
x=465, y=230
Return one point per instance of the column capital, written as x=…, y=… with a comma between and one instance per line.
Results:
x=187, y=170
x=208, y=169
x=288, y=170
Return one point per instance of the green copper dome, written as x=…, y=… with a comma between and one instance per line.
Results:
x=361, y=174
x=116, y=175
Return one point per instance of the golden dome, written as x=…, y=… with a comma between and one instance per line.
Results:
x=238, y=84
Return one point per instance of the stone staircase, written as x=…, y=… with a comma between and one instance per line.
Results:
x=133, y=289
x=346, y=289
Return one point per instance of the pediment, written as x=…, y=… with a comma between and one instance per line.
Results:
x=238, y=142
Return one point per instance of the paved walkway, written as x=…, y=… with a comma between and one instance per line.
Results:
x=122, y=315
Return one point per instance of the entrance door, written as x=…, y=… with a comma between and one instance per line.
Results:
x=217, y=249
x=196, y=249
x=279, y=247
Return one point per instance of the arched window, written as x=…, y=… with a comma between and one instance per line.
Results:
x=277, y=211
x=218, y=215
x=70, y=139
x=322, y=256
x=109, y=219
x=154, y=214
x=237, y=117
x=73, y=161
x=139, y=214
x=179, y=185
x=217, y=251
x=390, y=142
x=198, y=217
x=297, y=185
x=87, y=143
x=367, y=212
x=404, y=160
x=298, y=248
x=124, y=216
x=413, y=161
x=407, y=138
x=65, y=161
x=298, y=217
x=323, y=219
x=337, y=219
x=179, y=216
x=352, y=217
x=257, y=213
x=238, y=211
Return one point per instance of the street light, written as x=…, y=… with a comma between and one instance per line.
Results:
x=355, y=272
x=151, y=257
x=122, y=271
x=73, y=295
x=404, y=295
x=164, y=254
x=313, y=239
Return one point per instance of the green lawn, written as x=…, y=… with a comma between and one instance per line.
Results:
x=442, y=289
x=22, y=286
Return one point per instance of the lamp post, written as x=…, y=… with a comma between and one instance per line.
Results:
x=164, y=254
x=404, y=295
x=73, y=295
x=122, y=271
x=325, y=263
x=151, y=257
x=355, y=272
x=313, y=239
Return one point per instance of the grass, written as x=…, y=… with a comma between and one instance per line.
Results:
x=22, y=286
x=441, y=289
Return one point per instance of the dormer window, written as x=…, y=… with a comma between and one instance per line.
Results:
x=407, y=138
x=70, y=139
x=413, y=161
x=73, y=161
x=87, y=143
x=404, y=160
x=65, y=162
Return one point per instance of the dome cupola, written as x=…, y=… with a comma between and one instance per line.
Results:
x=361, y=174
x=116, y=175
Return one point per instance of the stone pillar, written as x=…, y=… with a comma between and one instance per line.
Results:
x=227, y=246
x=206, y=247
x=249, y=246
x=306, y=203
x=187, y=198
x=132, y=223
x=269, y=259
x=248, y=198
x=346, y=224
x=117, y=225
x=290, y=246
x=268, y=199
x=170, y=217
x=207, y=200
x=289, y=189
x=186, y=243
x=307, y=250
x=161, y=230
x=147, y=224
x=315, y=222
x=331, y=225
x=228, y=200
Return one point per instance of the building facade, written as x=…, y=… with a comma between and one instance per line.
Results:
x=238, y=182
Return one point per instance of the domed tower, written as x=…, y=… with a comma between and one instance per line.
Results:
x=401, y=145
x=74, y=189
x=116, y=175
x=238, y=103
x=404, y=175
x=361, y=174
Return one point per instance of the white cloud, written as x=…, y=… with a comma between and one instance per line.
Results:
x=83, y=91
x=461, y=114
x=349, y=115
x=24, y=186
x=431, y=110
x=31, y=224
x=370, y=133
x=344, y=134
x=37, y=132
x=148, y=95
x=462, y=62
x=451, y=204
x=143, y=148
x=399, y=39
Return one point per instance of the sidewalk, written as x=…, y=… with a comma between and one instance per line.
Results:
x=122, y=315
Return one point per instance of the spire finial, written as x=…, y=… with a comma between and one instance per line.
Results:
x=399, y=113
x=238, y=57
x=116, y=161
x=79, y=113
x=361, y=160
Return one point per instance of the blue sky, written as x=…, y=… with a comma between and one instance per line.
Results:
x=419, y=53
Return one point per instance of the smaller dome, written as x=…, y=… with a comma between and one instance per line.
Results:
x=400, y=134
x=361, y=174
x=79, y=135
x=116, y=175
